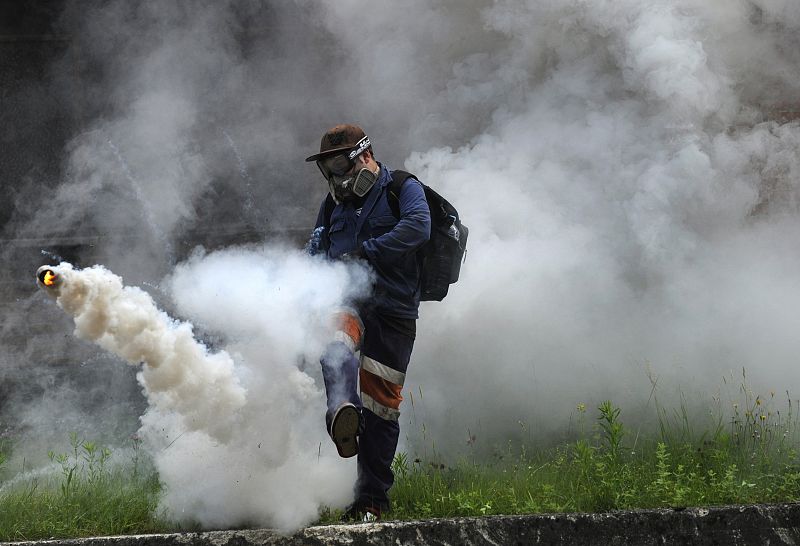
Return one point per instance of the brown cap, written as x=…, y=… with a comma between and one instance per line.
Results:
x=338, y=139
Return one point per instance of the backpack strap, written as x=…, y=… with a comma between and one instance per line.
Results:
x=398, y=179
x=330, y=204
x=393, y=197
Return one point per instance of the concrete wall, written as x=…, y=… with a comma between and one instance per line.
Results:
x=730, y=526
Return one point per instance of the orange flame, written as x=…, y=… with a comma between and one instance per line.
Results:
x=49, y=278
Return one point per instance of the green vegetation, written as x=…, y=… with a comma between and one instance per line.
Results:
x=87, y=496
x=746, y=454
x=750, y=458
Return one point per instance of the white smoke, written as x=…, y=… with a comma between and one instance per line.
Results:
x=179, y=374
x=233, y=443
x=615, y=234
x=630, y=208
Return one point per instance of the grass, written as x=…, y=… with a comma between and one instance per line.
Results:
x=746, y=454
x=89, y=495
x=586, y=477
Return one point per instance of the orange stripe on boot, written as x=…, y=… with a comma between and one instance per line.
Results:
x=382, y=391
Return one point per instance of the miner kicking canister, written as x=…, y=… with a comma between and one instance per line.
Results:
x=356, y=221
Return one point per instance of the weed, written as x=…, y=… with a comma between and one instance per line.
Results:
x=5, y=449
x=613, y=431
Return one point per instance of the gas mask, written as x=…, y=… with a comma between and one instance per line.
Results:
x=344, y=186
x=347, y=188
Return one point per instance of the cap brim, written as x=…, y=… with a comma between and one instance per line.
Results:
x=327, y=153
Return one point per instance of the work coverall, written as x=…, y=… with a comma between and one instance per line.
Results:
x=388, y=318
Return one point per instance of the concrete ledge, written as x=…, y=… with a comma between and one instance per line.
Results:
x=728, y=525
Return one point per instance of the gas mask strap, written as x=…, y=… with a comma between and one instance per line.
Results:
x=333, y=192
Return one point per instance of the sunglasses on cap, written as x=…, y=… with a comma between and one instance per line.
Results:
x=341, y=164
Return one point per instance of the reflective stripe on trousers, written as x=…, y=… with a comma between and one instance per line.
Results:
x=381, y=388
x=349, y=328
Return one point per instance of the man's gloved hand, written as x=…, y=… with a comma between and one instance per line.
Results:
x=314, y=244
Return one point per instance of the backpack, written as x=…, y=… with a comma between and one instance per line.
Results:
x=440, y=258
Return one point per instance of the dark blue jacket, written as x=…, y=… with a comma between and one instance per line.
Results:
x=389, y=245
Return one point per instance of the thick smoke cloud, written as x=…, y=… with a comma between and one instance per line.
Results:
x=274, y=307
x=253, y=431
x=625, y=232
x=625, y=168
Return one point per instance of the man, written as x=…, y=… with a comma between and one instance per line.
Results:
x=356, y=221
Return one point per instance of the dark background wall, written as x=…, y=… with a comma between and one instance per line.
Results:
x=28, y=47
x=54, y=86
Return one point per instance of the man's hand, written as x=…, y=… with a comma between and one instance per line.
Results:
x=314, y=244
x=353, y=255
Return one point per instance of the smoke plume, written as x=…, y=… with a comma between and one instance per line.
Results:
x=179, y=374
x=253, y=430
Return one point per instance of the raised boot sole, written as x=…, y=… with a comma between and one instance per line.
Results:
x=344, y=430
